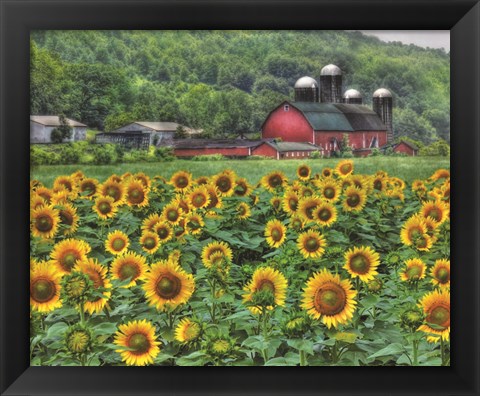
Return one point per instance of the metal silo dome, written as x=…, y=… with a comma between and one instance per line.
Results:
x=352, y=94
x=382, y=93
x=306, y=82
x=331, y=70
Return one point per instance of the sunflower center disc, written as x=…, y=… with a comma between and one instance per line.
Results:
x=345, y=169
x=422, y=243
x=293, y=203
x=104, y=208
x=312, y=244
x=194, y=224
x=276, y=234
x=240, y=190
x=324, y=214
x=443, y=275
x=434, y=214
x=69, y=260
x=118, y=244
x=88, y=188
x=44, y=223
x=303, y=172
x=128, y=270
x=297, y=224
x=199, y=200
x=149, y=243
x=224, y=184
x=377, y=185
x=113, y=192
x=414, y=272
x=136, y=196
x=275, y=181
x=139, y=343
x=353, y=200
x=440, y=316
x=162, y=232
x=360, y=264
x=266, y=285
x=191, y=331
x=66, y=217
x=242, y=210
x=172, y=215
x=168, y=287
x=329, y=192
x=42, y=290
x=182, y=182
x=330, y=299
x=415, y=233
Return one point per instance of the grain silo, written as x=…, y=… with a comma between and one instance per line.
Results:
x=383, y=106
x=352, y=96
x=331, y=84
x=306, y=90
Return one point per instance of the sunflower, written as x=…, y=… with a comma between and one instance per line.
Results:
x=98, y=275
x=144, y=179
x=68, y=218
x=424, y=243
x=265, y=280
x=379, y=182
x=413, y=229
x=275, y=233
x=327, y=172
x=273, y=180
x=36, y=201
x=113, y=189
x=44, y=221
x=225, y=183
x=199, y=197
x=290, y=202
x=311, y=244
x=180, y=229
x=440, y=273
x=187, y=331
x=172, y=213
x=181, y=180
x=329, y=190
x=194, y=223
x=215, y=199
x=202, y=180
x=325, y=214
x=361, y=182
x=138, y=342
x=105, y=207
x=129, y=266
x=215, y=247
x=44, y=287
x=150, y=241
x=362, y=262
x=297, y=223
x=440, y=174
x=242, y=188
x=149, y=223
x=60, y=197
x=414, y=270
x=307, y=205
x=344, y=168
x=88, y=188
x=67, y=253
x=304, y=172
x=355, y=199
x=167, y=285
x=436, y=306
x=243, y=211
x=164, y=231
x=136, y=194
x=117, y=242
x=330, y=298
x=437, y=210
x=276, y=203
x=65, y=183
x=45, y=193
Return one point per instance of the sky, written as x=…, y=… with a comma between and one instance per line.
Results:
x=422, y=38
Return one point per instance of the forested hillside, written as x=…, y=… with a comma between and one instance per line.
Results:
x=226, y=82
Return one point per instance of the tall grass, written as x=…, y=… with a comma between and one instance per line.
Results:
x=407, y=168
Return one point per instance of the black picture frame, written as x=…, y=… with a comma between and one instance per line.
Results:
x=18, y=17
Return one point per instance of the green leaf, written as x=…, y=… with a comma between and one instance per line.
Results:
x=105, y=328
x=390, y=350
x=302, y=345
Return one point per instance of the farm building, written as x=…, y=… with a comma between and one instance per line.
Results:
x=285, y=150
x=402, y=147
x=41, y=127
x=324, y=124
x=157, y=133
x=228, y=147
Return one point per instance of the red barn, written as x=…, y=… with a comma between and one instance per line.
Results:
x=402, y=147
x=226, y=147
x=324, y=124
x=285, y=150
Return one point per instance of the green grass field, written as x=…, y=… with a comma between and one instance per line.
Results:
x=407, y=168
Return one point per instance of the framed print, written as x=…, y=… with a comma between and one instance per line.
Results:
x=258, y=185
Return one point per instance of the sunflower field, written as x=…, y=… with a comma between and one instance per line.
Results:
x=334, y=268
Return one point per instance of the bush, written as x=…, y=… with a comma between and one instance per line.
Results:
x=438, y=148
x=347, y=154
x=164, y=154
x=208, y=157
x=104, y=154
x=315, y=155
x=56, y=136
x=375, y=152
x=40, y=156
x=70, y=154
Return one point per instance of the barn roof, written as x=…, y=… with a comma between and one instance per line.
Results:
x=52, y=120
x=214, y=143
x=158, y=126
x=340, y=117
x=394, y=145
x=292, y=146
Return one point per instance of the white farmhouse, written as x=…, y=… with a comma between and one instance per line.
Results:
x=41, y=127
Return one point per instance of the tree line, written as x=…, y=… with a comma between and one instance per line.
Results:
x=226, y=82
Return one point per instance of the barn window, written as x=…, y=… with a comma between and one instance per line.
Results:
x=286, y=107
x=374, y=142
x=298, y=154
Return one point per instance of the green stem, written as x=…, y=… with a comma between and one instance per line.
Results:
x=334, y=354
x=171, y=319
x=213, y=286
x=415, y=353
x=82, y=360
x=303, y=358
x=82, y=315
x=442, y=349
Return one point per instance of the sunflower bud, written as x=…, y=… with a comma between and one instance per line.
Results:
x=78, y=340
x=296, y=324
x=219, y=346
x=411, y=318
x=77, y=288
x=375, y=286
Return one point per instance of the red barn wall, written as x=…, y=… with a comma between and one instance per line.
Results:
x=290, y=126
x=355, y=138
x=295, y=155
x=403, y=148
x=265, y=150
x=234, y=151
